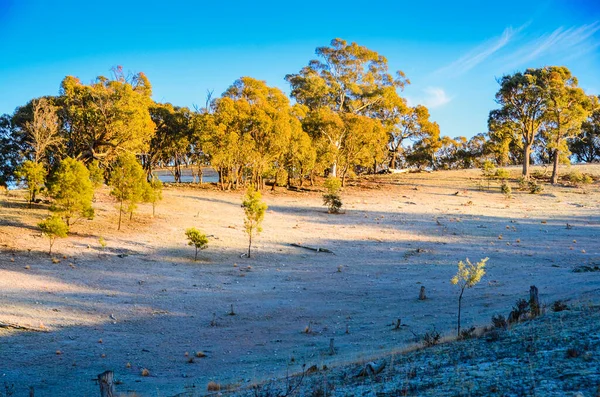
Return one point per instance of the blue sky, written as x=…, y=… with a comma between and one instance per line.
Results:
x=451, y=51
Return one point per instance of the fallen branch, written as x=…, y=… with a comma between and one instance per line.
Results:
x=328, y=251
x=22, y=327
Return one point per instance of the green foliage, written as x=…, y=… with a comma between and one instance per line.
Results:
x=102, y=242
x=254, y=210
x=534, y=187
x=333, y=185
x=96, y=174
x=506, y=189
x=128, y=184
x=72, y=190
x=577, y=178
x=502, y=174
x=488, y=169
x=107, y=117
x=467, y=276
x=53, y=227
x=352, y=104
x=153, y=193
x=332, y=198
x=34, y=176
x=197, y=239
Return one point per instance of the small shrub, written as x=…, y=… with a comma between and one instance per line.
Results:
x=145, y=372
x=332, y=198
x=506, y=189
x=499, y=321
x=518, y=312
x=197, y=239
x=523, y=183
x=488, y=169
x=254, y=210
x=502, y=174
x=102, y=242
x=559, y=306
x=431, y=338
x=577, y=178
x=534, y=187
x=53, y=227
x=467, y=333
x=467, y=276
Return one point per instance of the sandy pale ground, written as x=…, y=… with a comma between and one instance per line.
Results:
x=142, y=302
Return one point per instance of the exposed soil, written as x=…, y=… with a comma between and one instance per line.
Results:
x=143, y=303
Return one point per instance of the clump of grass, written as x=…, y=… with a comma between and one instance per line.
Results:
x=467, y=333
x=577, y=178
x=559, y=306
x=499, y=321
x=213, y=386
x=534, y=187
x=431, y=338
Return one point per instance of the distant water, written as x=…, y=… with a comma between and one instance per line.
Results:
x=210, y=175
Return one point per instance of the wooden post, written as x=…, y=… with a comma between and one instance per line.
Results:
x=422, y=295
x=31, y=391
x=331, y=347
x=107, y=388
x=534, y=301
x=398, y=323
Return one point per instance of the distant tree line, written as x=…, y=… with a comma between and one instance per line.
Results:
x=347, y=117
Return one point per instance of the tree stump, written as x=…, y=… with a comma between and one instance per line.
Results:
x=107, y=388
x=534, y=301
x=422, y=295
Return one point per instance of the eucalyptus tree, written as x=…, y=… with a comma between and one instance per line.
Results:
x=523, y=105
x=248, y=132
x=171, y=144
x=585, y=146
x=566, y=108
x=348, y=80
x=107, y=117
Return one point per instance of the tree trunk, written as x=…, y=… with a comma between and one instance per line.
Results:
x=120, y=213
x=554, y=179
x=107, y=387
x=459, y=307
x=196, y=255
x=333, y=171
x=249, y=243
x=526, y=154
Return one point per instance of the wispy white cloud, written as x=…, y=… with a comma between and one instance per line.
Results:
x=479, y=53
x=432, y=97
x=569, y=43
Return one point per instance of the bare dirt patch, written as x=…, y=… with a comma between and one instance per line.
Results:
x=143, y=303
